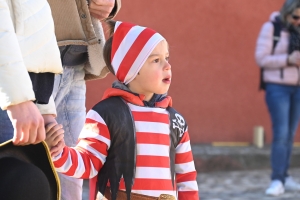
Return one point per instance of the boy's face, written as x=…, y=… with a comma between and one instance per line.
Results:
x=155, y=75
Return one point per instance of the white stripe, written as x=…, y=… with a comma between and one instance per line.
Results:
x=155, y=193
x=125, y=45
x=93, y=151
x=80, y=168
x=185, y=167
x=95, y=116
x=93, y=171
x=117, y=25
x=66, y=166
x=152, y=127
x=142, y=57
x=57, y=157
x=153, y=173
x=187, y=186
x=153, y=150
x=183, y=147
x=135, y=108
x=90, y=134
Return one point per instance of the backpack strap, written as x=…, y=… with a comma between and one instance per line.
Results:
x=178, y=127
x=121, y=159
x=276, y=38
x=276, y=34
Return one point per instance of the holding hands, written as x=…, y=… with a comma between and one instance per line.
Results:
x=55, y=138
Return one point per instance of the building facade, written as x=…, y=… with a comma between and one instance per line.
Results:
x=215, y=77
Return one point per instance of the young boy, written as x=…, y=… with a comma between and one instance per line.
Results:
x=133, y=140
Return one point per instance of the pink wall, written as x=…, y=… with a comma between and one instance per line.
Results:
x=215, y=78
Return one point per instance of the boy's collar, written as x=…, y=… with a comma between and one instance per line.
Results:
x=119, y=89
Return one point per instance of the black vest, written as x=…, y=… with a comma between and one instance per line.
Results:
x=121, y=159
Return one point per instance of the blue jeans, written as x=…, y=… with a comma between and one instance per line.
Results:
x=284, y=107
x=6, y=127
x=69, y=95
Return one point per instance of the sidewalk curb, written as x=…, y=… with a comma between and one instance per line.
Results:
x=208, y=158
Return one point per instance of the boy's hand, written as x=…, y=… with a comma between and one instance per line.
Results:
x=54, y=134
x=57, y=149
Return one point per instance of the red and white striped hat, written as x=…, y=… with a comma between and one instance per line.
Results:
x=131, y=46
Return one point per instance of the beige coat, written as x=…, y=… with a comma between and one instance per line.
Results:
x=75, y=26
x=27, y=43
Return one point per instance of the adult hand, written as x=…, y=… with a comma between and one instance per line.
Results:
x=28, y=123
x=101, y=9
x=294, y=58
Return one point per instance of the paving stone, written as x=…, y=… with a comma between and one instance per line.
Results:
x=241, y=185
x=235, y=173
x=209, y=158
x=236, y=185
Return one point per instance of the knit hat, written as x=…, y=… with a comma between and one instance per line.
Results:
x=131, y=46
x=37, y=155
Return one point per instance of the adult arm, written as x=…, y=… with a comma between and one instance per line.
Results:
x=104, y=9
x=16, y=92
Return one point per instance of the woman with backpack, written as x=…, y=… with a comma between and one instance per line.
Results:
x=278, y=55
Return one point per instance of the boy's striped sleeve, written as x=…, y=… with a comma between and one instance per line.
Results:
x=185, y=170
x=89, y=155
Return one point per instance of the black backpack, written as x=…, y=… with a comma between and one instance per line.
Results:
x=276, y=36
x=120, y=161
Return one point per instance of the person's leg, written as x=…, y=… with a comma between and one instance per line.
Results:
x=294, y=118
x=69, y=95
x=278, y=102
x=6, y=128
x=21, y=180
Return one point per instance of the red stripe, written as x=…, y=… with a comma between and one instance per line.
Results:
x=151, y=117
x=87, y=157
x=149, y=184
x=188, y=195
x=101, y=128
x=183, y=157
x=185, y=138
x=89, y=120
x=100, y=147
x=133, y=53
x=74, y=165
x=119, y=35
x=152, y=161
x=152, y=138
x=86, y=162
x=59, y=163
x=93, y=188
x=191, y=176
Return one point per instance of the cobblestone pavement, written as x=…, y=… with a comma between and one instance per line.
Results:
x=241, y=185
x=235, y=185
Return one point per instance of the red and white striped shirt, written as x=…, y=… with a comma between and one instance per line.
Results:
x=153, y=175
